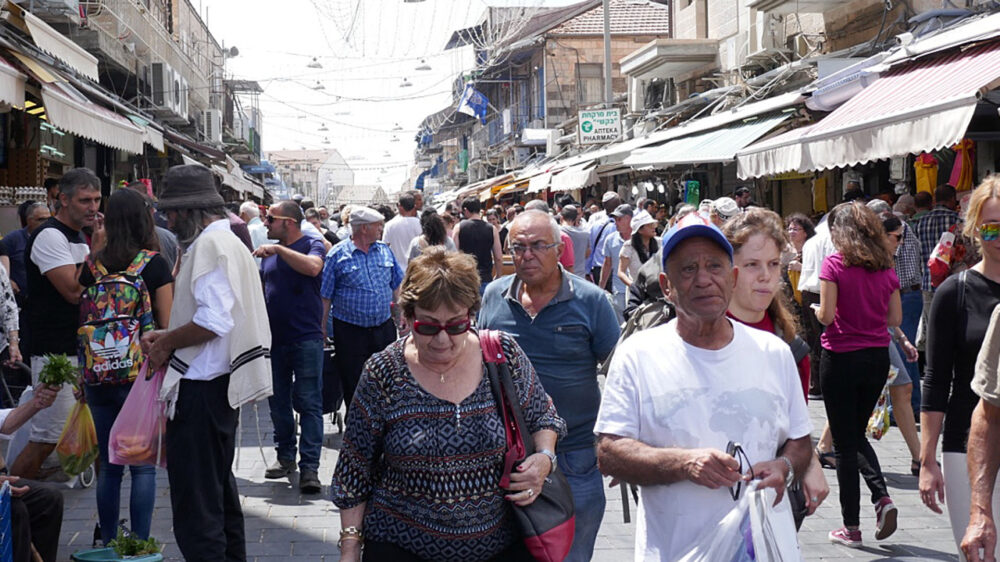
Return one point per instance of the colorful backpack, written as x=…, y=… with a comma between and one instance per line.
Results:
x=114, y=313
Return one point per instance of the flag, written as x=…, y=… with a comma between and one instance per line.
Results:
x=473, y=103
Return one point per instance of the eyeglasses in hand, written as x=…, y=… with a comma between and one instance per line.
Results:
x=736, y=451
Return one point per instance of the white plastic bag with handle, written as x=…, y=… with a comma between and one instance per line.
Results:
x=773, y=528
x=730, y=540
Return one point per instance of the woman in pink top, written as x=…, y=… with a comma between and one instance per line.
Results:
x=855, y=359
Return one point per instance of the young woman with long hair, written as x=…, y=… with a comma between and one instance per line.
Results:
x=639, y=248
x=434, y=233
x=959, y=316
x=129, y=230
x=855, y=359
x=757, y=237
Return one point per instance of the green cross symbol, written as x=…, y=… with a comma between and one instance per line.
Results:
x=587, y=126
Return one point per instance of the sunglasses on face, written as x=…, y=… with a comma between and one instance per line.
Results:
x=989, y=231
x=271, y=218
x=432, y=329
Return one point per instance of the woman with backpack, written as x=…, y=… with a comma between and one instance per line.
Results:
x=123, y=274
x=757, y=237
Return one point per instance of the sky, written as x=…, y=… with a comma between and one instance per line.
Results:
x=367, y=50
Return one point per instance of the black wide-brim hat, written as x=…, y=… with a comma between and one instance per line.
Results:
x=190, y=186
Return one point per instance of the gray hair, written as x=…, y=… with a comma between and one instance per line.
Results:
x=879, y=206
x=537, y=205
x=250, y=209
x=34, y=207
x=75, y=179
x=190, y=223
x=541, y=215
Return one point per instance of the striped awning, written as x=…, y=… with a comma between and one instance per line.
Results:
x=71, y=111
x=60, y=46
x=12, y=83
x=919, y=106
x=575, y=177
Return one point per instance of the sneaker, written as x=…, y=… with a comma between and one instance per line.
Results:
x=847, y=537
x=885, y=518
x=309, y=482
x=279, y=469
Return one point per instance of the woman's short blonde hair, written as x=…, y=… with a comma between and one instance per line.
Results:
x=989, y=189
x=440, y=278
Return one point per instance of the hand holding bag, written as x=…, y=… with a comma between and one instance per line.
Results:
x=137, y=436
x=547, y=524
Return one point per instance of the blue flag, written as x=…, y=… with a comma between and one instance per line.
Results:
x=473, y=103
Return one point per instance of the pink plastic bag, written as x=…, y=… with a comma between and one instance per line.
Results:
x=138, y=436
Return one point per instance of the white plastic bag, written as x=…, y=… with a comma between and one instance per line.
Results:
x=773, y=528
x=753, y=531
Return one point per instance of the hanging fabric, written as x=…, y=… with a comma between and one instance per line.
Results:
x=925, y=169
x=819, y=195
x=961, y=172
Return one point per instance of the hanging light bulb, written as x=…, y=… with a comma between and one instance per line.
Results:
x=394, y=139
x=319, y=86
x=406, y=83
x=314, y=64
x=326, y=140
x=660, y=187
x=322, y=128
x=635, y=189
x=423, y=65
x=397, y=128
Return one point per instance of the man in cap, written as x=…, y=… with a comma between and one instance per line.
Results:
x=680, y=418
x=213, y=367
x=565, y=326
x=723, y=209
x=360, y=280
x=601, y=226
x=290, y=270
x=612, y=248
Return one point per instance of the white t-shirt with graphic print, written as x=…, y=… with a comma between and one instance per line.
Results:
x=666, y=393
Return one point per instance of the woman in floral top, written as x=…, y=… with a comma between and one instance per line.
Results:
x=418, y=475
x=9, y=321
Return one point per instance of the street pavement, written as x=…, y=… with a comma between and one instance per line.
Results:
x=281, y=524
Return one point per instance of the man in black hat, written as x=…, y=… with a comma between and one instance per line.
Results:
x=213, y=368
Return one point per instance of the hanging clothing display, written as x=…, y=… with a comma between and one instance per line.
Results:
x=925, y=169
x=961, y=172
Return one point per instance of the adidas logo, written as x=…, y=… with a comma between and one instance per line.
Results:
x=111, y=348
x=113, y=365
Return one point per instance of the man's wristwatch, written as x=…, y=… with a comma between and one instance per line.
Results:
x=552, y=457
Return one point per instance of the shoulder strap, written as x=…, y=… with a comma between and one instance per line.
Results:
x=519, y=442
x=140, y=262
x=962, y=282
x=96, y=268
x=597, y=241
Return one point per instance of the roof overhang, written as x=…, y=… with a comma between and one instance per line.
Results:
x=667, y=58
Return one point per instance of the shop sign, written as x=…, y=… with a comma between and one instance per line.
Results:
x=599, y=126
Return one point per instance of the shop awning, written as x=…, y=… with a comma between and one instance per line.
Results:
x=11, y=85
x=576, y=177
x=516, y=187
x=720, y=145
x=71, y=111
x=912, y=108
x=539, y=183
x=58, y=45
x=237, y=182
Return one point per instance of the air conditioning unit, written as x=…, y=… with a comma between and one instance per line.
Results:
x=161, y=82
x=182, y=97
x=764, y=35
x=212, y=121
x=169, y=94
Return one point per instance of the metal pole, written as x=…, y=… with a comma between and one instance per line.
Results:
x=607, y=54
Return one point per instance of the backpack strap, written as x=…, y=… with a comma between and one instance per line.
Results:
x=140, y=262
x=97, y=269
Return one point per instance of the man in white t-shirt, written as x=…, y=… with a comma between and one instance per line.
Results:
x=678, y=394
x=402, y=228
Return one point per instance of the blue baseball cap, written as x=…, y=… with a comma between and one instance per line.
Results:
x=691, y=226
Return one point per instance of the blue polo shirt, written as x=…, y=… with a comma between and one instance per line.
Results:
x=359, y=285
x=564, y=342
x=294, y=308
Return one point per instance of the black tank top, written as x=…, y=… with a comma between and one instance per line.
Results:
x=475, y=237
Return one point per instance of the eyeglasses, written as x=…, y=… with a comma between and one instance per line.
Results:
x=795, y=228
x=432, y=329
x=736, y=451
x=521, y=249
x=989, y=231
x=271, y=218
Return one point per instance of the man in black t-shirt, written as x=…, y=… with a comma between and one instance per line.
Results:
x=54, y=256
x=480, y=239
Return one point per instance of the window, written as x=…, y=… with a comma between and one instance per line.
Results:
x=589, y=83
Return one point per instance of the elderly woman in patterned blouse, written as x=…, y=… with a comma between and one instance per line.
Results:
x=9, y=337
x=418, y=475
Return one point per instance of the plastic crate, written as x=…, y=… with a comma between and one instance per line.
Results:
x=108, y=555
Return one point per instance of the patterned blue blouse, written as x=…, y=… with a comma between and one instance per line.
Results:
x=429, y=469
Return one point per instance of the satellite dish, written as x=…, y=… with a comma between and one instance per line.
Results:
x=233, y=52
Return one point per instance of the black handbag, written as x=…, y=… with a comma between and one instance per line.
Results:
x=547, y=525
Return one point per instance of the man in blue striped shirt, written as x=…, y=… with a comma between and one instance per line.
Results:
x=360, y=280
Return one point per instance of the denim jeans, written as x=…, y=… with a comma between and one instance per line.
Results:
x=913, y=305
x=105, y=402
x=587, y=484
x=297, y=374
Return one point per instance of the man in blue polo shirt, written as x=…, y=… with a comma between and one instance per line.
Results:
x=290, y=271
x=360, y=279
x=566, y=326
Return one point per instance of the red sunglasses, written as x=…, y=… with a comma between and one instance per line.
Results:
x=432, y=329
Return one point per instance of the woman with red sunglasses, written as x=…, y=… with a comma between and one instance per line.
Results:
x=418, y=476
